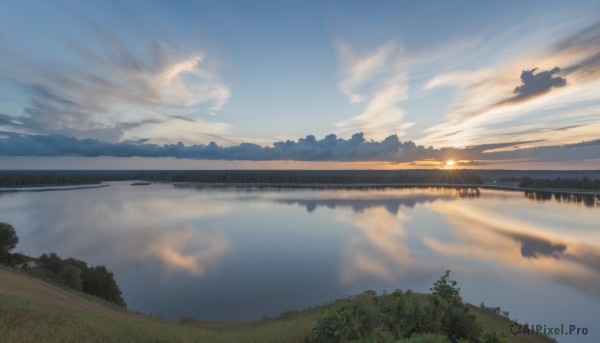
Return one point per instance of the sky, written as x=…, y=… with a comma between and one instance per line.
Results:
x=299, y=84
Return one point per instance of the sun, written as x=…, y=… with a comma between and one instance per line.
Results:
x=450, y=164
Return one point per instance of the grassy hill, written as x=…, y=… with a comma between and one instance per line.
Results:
x=32, y=310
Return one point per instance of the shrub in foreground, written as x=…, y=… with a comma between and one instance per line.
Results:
x=401, y=317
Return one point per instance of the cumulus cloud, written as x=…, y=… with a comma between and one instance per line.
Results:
x=106, y=88
x=330, y=148
x=538, y=83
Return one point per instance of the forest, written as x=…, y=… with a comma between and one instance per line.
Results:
x=244, y=176
x=561, y=183
x=299, y=177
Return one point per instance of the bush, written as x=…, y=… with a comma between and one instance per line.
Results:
x=401, y=316
x=426, y=338
x=493, y=337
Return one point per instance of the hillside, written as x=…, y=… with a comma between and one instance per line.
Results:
x=32, y=310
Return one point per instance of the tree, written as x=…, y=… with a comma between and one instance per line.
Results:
x=52, y=262
x=447, y=289
x=8, y=241
x=71, y=276
x=457, y=322
x=100, y=282
x=8, y=237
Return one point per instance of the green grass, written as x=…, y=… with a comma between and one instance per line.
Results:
x=32, y=310
x=491, y=322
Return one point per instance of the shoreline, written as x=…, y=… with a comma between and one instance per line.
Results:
x=42, y=188
x=385, y=185
x=52, y=187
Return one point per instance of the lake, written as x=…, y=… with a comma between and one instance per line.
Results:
x=238, y=253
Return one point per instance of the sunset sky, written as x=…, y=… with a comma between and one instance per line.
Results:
x=299, y=84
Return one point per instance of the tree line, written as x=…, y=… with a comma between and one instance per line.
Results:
x=247, y=176
x=561, y=183
x=37, y=179
x=76, y=274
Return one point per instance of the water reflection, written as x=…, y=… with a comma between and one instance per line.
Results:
x=540, y=247
x=534, y=247
x=359, y=206
x=392, y=199
x=589, y=200
x=379, y=249
x=237, y=253
x=123, y=229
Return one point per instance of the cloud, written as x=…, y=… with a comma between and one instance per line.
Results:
x=379, y=79
x=462, y=78
x=330, y=148
x=583, y=48
x=557, y=80
x=105, y=88
x=357, y=70
x=533, y=85
x=537, y=84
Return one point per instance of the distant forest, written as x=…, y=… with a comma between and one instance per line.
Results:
x=334, y=177
x=561, y=183
x=246, y=176
x=39, y=179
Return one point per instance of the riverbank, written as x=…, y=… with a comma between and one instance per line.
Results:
x=43, y=188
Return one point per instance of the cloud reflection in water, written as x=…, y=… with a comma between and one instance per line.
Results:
x=559, y=245
x=124, y=229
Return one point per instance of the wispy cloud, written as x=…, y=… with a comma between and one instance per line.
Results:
x=380, y=80
x=108, y=88
x=555, y=81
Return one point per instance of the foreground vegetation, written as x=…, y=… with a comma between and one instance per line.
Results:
x=438, y=317
x=32, y=310
x=76, y=274
x=72, y=273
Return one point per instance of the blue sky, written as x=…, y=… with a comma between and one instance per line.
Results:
x=507, y=84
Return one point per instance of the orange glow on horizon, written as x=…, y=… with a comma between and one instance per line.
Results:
x=449, y=165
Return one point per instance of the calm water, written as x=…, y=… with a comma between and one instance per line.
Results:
x=241, y=253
